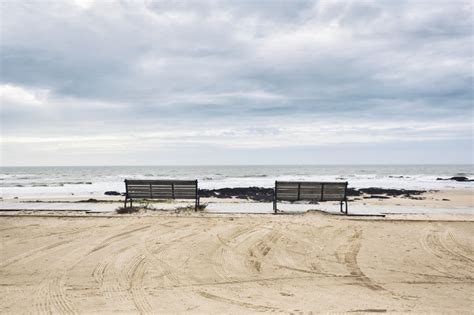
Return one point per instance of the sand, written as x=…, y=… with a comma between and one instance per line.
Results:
x=234, y=264
x=447, y=198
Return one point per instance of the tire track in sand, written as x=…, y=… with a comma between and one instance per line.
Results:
x=135, y=272
x=108, y=241
x=31, y=254
x=467, y=251
x=158, y=255
x=349, y=254
x=114, y=277
x=259, y=250
x=254, y=307
x=446, y=247
x=437, y=244
x=51, y=296
x=104, y=274
x=223, y=253
x=122, y=273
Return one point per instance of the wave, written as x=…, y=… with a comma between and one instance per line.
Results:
x=253, y=176
x=36, y=184
x=98, y=180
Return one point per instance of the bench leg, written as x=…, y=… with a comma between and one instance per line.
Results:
x=275, y=210
x=196, y=205
x=341, y=207
x=346, y=208
x=125, y=203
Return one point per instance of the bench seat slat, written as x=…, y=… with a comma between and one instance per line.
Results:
x=287, y=187
x=287, y=194
x=335, y=191
x=147, y=196
x=292, y=197
x=310, y=196
x=310, y=191
x=160, y=182
x=287, y=191
x=309, y=183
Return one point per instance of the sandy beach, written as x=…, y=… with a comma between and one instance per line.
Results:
x=203, y=263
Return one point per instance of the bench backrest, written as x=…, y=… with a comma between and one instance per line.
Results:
x=314, y=191
x=161, y=189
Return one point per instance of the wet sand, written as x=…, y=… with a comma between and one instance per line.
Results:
x=448, y=198
x=61, y=263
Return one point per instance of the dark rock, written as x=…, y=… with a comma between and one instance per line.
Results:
x=352, y=192
x=253, y=193
x=112, y=193
x=457, y=179
x=376, y=197
x=461, y=179
x=266, y=194
x=416, y=198
x=89, y=200
x=390, y=192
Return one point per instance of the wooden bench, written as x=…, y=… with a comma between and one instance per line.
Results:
x=161, y=189
x=310, y=191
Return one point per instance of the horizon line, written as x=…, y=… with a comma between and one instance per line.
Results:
x=207, y=165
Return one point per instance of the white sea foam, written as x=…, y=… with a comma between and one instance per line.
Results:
x=94, y=181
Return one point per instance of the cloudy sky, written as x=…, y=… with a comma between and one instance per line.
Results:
x=236, y=82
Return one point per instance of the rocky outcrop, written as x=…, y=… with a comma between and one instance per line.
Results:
x=266, y=194
x=253, y=193
x=457, y=179
x=112, y=193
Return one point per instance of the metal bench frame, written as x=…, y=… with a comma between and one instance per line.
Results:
x=191, y=190
x=317, y=197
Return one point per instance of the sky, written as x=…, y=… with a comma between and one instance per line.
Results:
x=236, y=82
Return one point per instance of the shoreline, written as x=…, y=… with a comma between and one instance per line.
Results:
x=456, y=201
x=390, y=217
x=253, y=193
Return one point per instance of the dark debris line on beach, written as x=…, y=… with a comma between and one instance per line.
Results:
x=457, y=179
x=266, y=194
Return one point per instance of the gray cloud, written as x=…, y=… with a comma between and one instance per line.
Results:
x=235, y=75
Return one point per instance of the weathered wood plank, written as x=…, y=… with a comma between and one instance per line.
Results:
x=160, y=182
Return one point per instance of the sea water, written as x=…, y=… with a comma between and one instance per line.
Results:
x=95, y=180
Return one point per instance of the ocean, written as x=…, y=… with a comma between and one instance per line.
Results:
x=95, y=180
